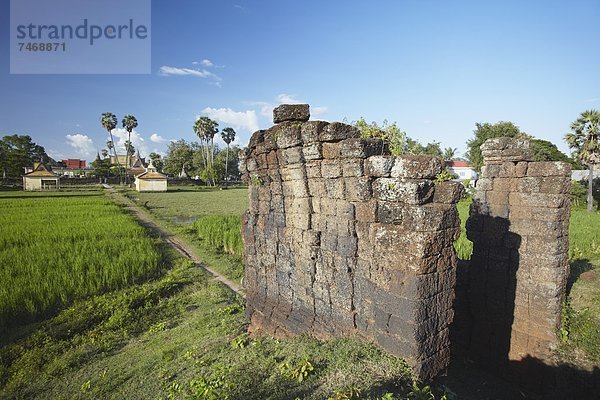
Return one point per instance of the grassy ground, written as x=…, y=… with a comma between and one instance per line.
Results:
x=187, y=204
x=182, y=335
x=54, y=248
x=200, y=215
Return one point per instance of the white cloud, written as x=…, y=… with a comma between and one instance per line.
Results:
x=318, y=110
x=82, y=143
x=239, y=120
x=158, y=139
x=207, y=63
x=202, y=73
x=121, y=135
x=287, y=99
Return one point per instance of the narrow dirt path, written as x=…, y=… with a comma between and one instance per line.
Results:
x=174, y=241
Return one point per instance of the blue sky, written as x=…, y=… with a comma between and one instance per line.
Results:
x=435, y=67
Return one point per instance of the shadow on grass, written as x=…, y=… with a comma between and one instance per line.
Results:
x=578, y=267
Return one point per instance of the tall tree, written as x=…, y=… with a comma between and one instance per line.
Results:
x=487, y=131
x=583, y=140
x=129, y=123
x=109, y=122
x=17, y=152
x=545, y=150
x=449, y=153
x=157, y=161
x=179, y=155
x=206, y=129
x=228, y=136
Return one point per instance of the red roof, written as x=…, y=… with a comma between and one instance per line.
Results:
x=458, y=164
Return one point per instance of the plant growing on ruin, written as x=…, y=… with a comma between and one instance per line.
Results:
x=257, y=180
x=445, y=176
x=390, y=134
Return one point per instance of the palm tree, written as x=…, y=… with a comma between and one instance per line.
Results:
x=109, y=122
x=206, y=129
x=228, y=136
x=583, y=140
x=449, y=153
x=129, y=123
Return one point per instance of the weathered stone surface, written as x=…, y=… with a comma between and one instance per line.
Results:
x=341, y=240
x=379, y=166
x=405, y=191
x=518, y=271
x=448, y=192
x=291, y=112
x=416, y=167
x=338, y=131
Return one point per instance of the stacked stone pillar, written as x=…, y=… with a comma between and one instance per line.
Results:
x=519, y=225
x=343, y=239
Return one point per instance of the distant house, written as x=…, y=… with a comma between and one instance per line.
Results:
x=72, y=167
x=462, y=169
x=582, y=174
x=134, y=162
x=151, y=180
x=40, y=178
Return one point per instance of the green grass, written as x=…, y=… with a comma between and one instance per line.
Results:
x=188, y=204
x=583, y=326
x=208, y=218
x=183, y=336
x=463, y=246
x=222, y=232
x=58, y=247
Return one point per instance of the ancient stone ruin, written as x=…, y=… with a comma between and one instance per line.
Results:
x=343, y=239
x=519, y=226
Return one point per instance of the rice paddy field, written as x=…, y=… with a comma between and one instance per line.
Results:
x=59, y=247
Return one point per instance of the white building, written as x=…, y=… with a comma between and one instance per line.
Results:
x=151, y=180
x=40, y=178
x=583, y=174
x=463, y=170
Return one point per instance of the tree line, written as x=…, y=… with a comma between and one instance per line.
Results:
x=205, y=160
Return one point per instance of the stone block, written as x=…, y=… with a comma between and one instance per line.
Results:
x=416, y=167
x=331, y=169
x=292, y=155
x=334, y=188
x=379, y=166
x=550, y=184
x=337, y=131
x=332, y=150
x=312, y=151
x=291, y=112
x=538, y=200
x=360, y=148
x=352, y=167
x=358, y=189
x=366, y=211
x=287, y=134
x=448, y=192
x=406, y=191
x=549, y=168
x=310, y=131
